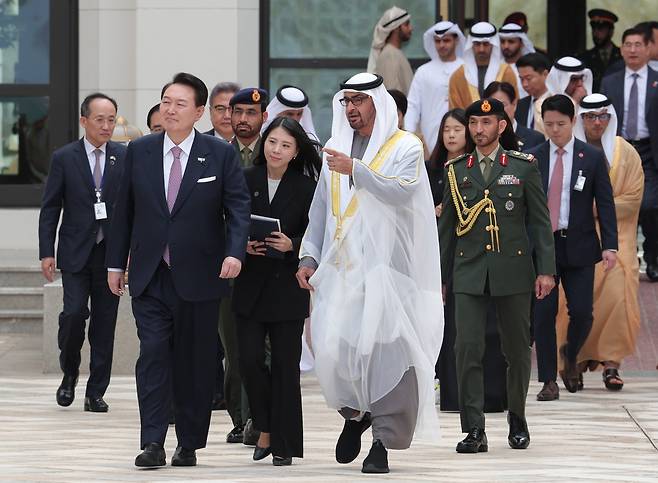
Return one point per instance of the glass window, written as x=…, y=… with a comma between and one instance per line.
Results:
x=24, y=41
x=315, y=44
x=24, y=152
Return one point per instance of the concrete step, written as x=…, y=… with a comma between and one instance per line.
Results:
x=21, y=298
x=27, y=276
x=21, y=321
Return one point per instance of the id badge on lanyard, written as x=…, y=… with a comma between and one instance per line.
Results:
x=100, y=212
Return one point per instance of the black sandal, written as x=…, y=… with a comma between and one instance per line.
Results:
x=609, y=374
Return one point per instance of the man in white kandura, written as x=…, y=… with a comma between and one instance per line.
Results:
x=371, y=257
x=292, y=102
x=428, y=96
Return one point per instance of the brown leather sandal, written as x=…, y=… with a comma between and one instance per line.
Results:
x=611, y=379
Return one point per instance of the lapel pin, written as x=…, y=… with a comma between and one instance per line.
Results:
x=256, y=193
x=580, y=155
x=112, y=160
x=201, y=160
x=654, y=84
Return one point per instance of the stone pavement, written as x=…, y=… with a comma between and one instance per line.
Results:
x=594, y=435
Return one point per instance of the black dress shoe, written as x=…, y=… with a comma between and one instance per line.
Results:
x=218, y=402
x=348, y=445
x=281, y=461
x=66, y=390
x=96, y=405
x=474, y=442
x=183, y=457
x=519, y=437
x=251, y=435
x=652, y=272
x=260, y=453
x=152, y=456
x=377, y=459
x=236, y=435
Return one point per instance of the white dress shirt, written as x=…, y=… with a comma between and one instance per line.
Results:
x=91, y=157
x=642, y=129
x=168, y=156
x=567, y=163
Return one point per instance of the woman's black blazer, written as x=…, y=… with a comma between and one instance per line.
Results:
x=266, y=289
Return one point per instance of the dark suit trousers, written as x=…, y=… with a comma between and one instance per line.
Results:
x=578, y=285
x=649, y=208
x=513, y=314
x=79, y=287
x=177, y=347
x=274, y=392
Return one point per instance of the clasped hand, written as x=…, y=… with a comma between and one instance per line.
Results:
x=277, y=240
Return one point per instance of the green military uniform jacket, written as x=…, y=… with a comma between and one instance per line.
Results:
x=592, y=59
x=521, y=216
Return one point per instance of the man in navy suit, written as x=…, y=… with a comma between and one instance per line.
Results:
x=634, y=94
x=574, y=175
x=177, y=189
x=83, y=179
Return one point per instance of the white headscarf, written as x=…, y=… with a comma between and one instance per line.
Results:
x=386, y=120
x=515, y=31
x=482, y=32
x=392, y=19
x=561, y=72
x=598, y=103
x=287, y=98
x=437, y=31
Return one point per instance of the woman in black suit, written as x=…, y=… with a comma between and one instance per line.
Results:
x=453, y=141
x=267, y=299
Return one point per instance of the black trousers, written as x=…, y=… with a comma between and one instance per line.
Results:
x=79, y=288
x=648, y=219
x=578, y=285
x=274, y=392
x=177, y=348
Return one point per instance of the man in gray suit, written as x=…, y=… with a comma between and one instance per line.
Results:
x=634, y=94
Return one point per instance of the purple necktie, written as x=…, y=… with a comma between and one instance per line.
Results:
x=175, y=178
x=98, y=181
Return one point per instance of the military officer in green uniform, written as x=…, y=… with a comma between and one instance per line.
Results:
x=494, y=205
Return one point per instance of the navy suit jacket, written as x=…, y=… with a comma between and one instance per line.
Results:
x=583, y=245
x=529, y=137
x=195, y=229
x=70, y=186
x=613, y=87
x=522, y=108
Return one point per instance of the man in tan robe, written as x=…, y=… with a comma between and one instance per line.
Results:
x=386, y=57
x=483, y=64
x=616, y=305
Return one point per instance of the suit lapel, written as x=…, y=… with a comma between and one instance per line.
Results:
x=544, y=159
x=260, y=196
x=82, y=162
x=195, y=167
x=156, y=161
x=652, y=87
x=284, y=192
x=576, y=164
x=475, y=173
x=618, y=101
x=109, y=173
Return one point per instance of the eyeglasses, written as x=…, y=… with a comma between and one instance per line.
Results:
x=588, y=116
x=356, y=101
x=219, y=109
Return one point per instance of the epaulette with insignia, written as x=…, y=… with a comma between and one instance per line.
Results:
x=519, y=155
x=458, y=158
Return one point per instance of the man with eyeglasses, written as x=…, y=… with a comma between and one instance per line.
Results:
x=569, y=76
x=634, y=93
x=248, y=113
x=370, y=256
x=220, y=110
x=616, y=304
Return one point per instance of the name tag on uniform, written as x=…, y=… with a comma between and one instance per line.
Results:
x=580, y=182
x=99, y=210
